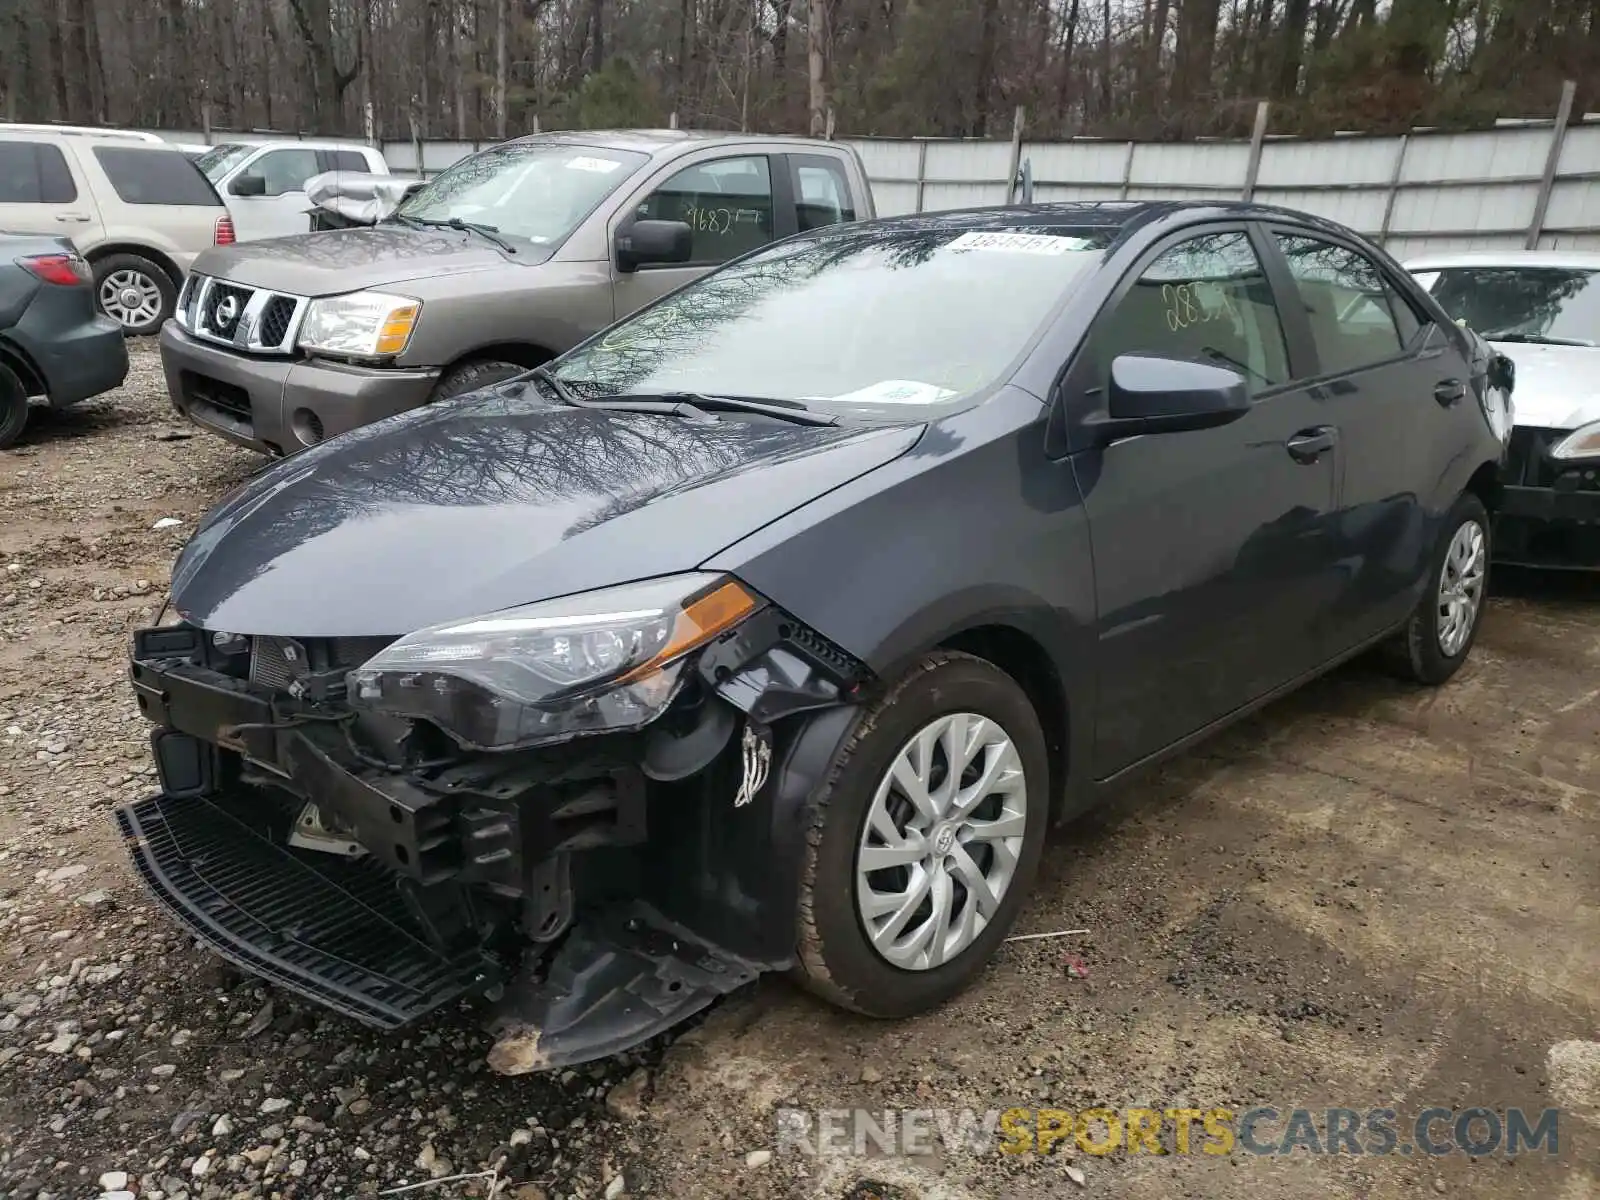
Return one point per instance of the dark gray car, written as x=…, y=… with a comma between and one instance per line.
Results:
x=54, y=345
x=500, y=263
x=769, y=629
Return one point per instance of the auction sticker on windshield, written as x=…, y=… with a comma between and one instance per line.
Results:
x=1024, y=243
x=895, y=391
x=584, y=162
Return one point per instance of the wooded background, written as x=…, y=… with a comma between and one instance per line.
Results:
x=1148, y=69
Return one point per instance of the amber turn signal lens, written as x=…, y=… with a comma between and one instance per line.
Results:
x=723, y=607
x=395, y=331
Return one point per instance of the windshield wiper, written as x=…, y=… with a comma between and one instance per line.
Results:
x=1532, y=339
x=686, y=404
x=488, y=232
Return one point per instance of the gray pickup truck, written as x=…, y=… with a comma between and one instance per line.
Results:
x=500, y=263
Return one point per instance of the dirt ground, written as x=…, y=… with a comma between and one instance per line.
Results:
x=1367, y=896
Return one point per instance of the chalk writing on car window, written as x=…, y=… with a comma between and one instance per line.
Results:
x=709, y=220
x=1196, y=303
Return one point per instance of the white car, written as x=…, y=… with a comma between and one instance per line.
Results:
x=132, y=205
x=264, y=183
x=1541, y=308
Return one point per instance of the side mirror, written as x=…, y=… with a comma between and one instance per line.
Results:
x=1150, y=394
x=653, y=242
x=1502, y=373
x=248, y=184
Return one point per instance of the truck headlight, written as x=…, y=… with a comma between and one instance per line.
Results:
x=360, y=325
x=596, y=662
x=1582, y=442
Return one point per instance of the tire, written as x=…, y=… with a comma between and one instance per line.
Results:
x=134, y=292
x=469, y=377
x=837, y=959
x=1427, y=651
x=13, y=407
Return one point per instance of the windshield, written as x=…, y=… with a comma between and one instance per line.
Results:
x=219, y=160
x=1558, y=305
x=538, y=191
x=870, y=323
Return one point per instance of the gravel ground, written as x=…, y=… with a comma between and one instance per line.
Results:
x=1365, y=896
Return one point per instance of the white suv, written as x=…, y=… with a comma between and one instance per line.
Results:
x=264, y=183
x=137, y=209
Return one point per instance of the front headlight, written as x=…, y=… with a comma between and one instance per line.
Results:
x=596, y=662
x=1582, y=442
x=360, y=325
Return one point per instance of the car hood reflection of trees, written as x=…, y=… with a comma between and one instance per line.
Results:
x=498, y=499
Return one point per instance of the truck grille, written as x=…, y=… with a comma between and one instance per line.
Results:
x=251, y=319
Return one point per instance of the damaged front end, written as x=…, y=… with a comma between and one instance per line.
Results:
x=589, y=810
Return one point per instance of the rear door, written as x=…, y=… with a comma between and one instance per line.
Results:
x=154, y=196
x=1212, y=548
x=821, y=188
x=42, y=192
x=1390, y=380
x=733, y=202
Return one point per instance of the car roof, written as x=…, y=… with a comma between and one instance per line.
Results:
x=81, y=131
x=1582, y=259
x=659, y=142
x=1121, y=215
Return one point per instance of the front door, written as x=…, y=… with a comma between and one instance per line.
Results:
x=1211, y=547
x=282, y=209
x=727, y=202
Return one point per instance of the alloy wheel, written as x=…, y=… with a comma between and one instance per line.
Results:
x=1461, y=587
x=131, y=298
x=941, y=841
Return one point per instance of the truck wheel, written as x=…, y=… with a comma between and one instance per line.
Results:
x=13, y=406
x=924, y=839
x=469, y=377
x=134, y=292
x=1440, y=633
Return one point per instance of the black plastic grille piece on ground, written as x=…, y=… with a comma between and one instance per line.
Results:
x=338, y=933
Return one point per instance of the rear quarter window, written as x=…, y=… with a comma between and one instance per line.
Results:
x=34, y=173
x=141, y=176
x=347, y=160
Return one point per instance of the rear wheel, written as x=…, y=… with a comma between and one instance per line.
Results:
x=924, y=841
x=134, y=292
x=13, y=407
x=469, y=377
x=1440, y=634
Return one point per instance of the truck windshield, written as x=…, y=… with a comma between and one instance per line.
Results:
x=537, y=191
x=219, y=160
x=1553, y=305
x=866, y=323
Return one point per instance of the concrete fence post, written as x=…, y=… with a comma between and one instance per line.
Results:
x=1258, y=135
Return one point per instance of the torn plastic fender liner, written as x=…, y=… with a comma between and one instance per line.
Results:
x=621, y=977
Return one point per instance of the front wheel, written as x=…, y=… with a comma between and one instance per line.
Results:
x=924, y=839
x=1440, y=633
x=13, y=407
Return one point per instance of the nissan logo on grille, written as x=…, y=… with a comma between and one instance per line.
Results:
x=227, y=310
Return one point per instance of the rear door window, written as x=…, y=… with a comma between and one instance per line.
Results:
x=140, y=176
x=1357, y=318
x=346, y=160
x=34, y=173
x=821, y=191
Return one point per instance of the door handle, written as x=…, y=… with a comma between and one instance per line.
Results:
x=1448, y=391
x=72, y=217
x=1311, y=444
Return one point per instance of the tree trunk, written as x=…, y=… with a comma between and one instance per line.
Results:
x=1069, y=40
x=1105, y=58
x=1197, y=39
x=1152, y=53
x=989, y=16
x=816, y=64
x=1294, y=43
x=502, y=60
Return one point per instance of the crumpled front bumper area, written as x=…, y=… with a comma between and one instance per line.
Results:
x=1549, y=511
x=337, y=933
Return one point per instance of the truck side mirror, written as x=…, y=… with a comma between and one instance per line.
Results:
x=646, y=242
x=248, y=183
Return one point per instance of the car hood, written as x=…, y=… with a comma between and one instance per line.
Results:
x=1558, y=387
x=346, y=260
x=496, y=500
